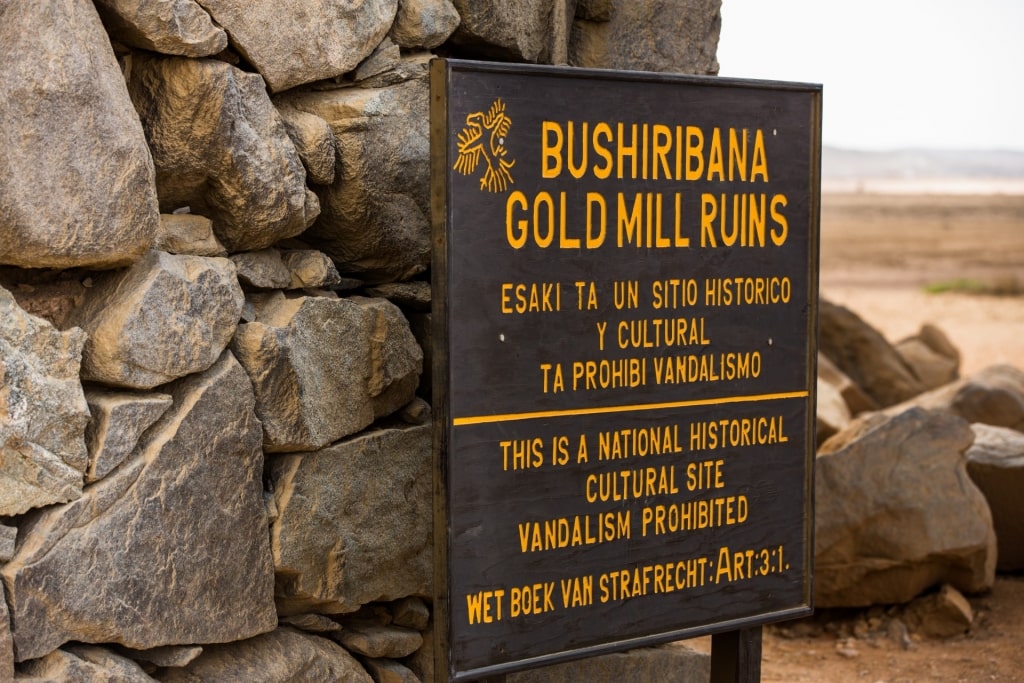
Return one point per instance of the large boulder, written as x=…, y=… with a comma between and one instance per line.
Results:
x=863, y=354
x=354, y=522
x=896, y=513
x=170, y=548
x=284, y=655
x=174, y=27
x=165, y=317
x=76, y=177
x=423, y=23
x=992, y=396
x=526, y=31
x=375, y=217
x=43, y=412
x=995, y=462
x=221, y=149
x=302, y=41
x=324, y=368
x=679, y=36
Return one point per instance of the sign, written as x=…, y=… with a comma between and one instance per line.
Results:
x=625, y=288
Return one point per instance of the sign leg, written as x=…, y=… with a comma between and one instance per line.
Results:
x=736, y=656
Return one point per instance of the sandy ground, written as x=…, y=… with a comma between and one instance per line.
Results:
x=878, y=254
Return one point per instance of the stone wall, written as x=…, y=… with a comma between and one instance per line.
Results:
x=215, y=451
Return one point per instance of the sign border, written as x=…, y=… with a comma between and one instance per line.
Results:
x=440, y=165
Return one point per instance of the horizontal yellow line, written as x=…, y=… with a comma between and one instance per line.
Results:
x=599, y=410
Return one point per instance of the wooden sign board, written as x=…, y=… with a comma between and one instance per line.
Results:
x=625, y=287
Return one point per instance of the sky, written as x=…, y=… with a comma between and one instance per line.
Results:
x=897, y=74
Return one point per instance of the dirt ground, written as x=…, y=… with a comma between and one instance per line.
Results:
x=879, y=253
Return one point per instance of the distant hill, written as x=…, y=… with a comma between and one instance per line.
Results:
x=920, y=164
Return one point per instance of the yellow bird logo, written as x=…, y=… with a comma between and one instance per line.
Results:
x=473, y=147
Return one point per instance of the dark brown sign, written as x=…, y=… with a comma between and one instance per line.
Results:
x=625, y=287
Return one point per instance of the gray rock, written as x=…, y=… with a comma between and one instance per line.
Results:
x=310, y=268
x=303, y=354
x=940, y=615
x=165, y=317
x=992, y=396
x=995, y=462
x=414, y=294
x=8, y=538
x=43, y=412
x=385, y=57
x=411, y=613
x=76, y=177
x=304, y=40
x=374, y=222
x=896, y=514
x=281, y=656
x=424, y=23
x=355, y=522
x=174, y=27
x=314, y=141
x=831, y=414
x=678, y=36
x=263, y=269
x=856, y=400
x=672, y=663
x=85, y=663
x=169, y=549
x=6, y=642
x=932, y=369
x=863, y=354
x=220, y=148
x=374, y=640
x=311, y=623
x=187, y=234
x=526, y=31
x=166, y=655
x=389, y=671
x=118, y=420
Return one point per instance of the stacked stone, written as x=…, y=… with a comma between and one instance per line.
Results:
x=214, y=240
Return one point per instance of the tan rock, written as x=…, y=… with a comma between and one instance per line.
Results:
x=263, y=269
x=220, y=148
x=679, y=36
x=992, y=396
x=310, y=268
x=314, y=141
x=932, y=369
x=354, y=522
x=995, y=462
x=411, y=613
x=373, y=640
x=303, y=40
x=831, y=414
x=151, y=555
x=389, y=671
x=374, y=220
x=526, y=31
x=304, y=353
x=43, y=412
x=76, y=176
x=174, y=27
x=897, y=514
x=424, y=23
x=282, y=656
x=940, y=615
x=856, y=400
x=187, y=234
x=8, y=538
x=118, y=420
x=165, y=317
x=85, y=663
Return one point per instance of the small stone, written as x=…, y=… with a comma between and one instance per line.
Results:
x=389, y=671
x=85, y=663
x=424, y=23
x=414, y=294
x=167, y=655
x=411, y=613
x=372, y=640
x=312, y=623
x=940, y=615
x=187, y=234
x=8, y=537
x=263, y=269
x=310, y=268
x=385, y=57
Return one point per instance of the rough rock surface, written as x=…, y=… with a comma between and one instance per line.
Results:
x=76, y=177
x=992, y=396
x=374, y=640
x=43, y=412
x=118, y=420
x=932, y=369
x=163, y=318
x=856, y=400
x=174, y=27
x=6, y=642
x=221, y=149
x=939, y=615
x=831, y=412
x=896, y=514
x=303, y=40
x=315, y=143
x=423, y=23
x=678, y=36
x=863, y=354
x=310, y=268
x=178, y=535
x=516, y=31
x=325, y=368
x=995, y=462
x=354, y=523
x=282, y=656
x=8, y=538
x=263, y=269
x=672, y=663
x=87, y=664
x=375, y=217
x=187, y=234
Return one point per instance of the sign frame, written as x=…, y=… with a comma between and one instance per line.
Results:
x=442, y=131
